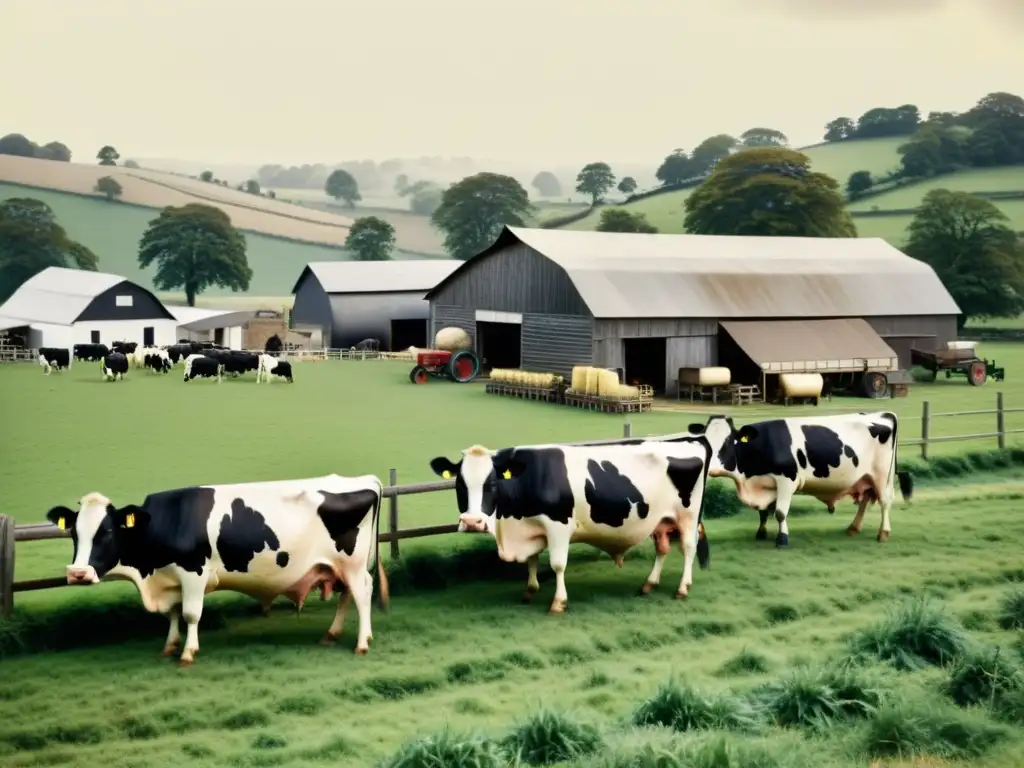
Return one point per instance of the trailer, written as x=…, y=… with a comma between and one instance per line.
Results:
x=959, y=359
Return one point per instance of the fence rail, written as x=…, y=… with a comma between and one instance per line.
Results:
x=10, y=534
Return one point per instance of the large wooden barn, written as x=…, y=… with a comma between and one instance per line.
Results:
x=546, y=300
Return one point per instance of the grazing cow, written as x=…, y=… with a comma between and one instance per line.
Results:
x=178, y=352
x=200, y=365
x=54, y=357
x=261, y=539
x=238, y=362
x=114, y=366
x=609, y=496
x=271, y=365
x=828, y=457
x=90, y=352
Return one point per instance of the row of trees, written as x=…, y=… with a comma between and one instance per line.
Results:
x=18, y=145
x=369, y=175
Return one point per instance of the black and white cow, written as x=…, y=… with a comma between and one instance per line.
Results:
x=827, y=457
x=264, y=540
x=114, y=366
x=612, y=497
x=90, y=352
x=54, y=357
x=157, y=360
x=126, y=348
x=200, y=365
x=239, y=362
x=271, y=365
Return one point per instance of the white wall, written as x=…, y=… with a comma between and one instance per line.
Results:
x=232, y=336
x=124, y=330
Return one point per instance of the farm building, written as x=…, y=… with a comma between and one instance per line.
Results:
x=648, y=305
x=221, y=326
x=348, y=301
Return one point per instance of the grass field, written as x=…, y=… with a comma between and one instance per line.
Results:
x=263, y=693
x=894, y=228
x=1008, y=179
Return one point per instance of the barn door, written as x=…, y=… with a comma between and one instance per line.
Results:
x=148, y=336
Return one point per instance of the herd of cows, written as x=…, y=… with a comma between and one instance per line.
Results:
x=290, y=538
x=200, y=359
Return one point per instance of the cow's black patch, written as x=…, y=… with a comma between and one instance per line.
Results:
x=801, y=458
x=342, y=514
x=539, y=486
x=611, y=494
x=851, y=454
x=684, y=475
x=763, y=448
x=282, y=559
x=881, y=432
x=243, y=535
x=824, y=448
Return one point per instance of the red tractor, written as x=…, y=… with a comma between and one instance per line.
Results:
x=459, y=366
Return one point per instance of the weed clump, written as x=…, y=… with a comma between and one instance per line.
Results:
x=447, y=749
x=745, y=662
x=684, y=708
x=550, y=737
x=1011, y=611
x=914, y=634
x=909, y=729
x=988, y=677
x=819, y=697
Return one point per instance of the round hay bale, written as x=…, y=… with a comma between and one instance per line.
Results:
x=452, y=340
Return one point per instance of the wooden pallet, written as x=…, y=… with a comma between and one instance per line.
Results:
x=542, y=394
x=610, y=404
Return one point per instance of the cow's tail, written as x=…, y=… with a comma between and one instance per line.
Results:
x=905, y=479
x=703, y=545
x=383, y=590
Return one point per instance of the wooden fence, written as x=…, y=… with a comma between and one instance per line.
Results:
x=10, y=534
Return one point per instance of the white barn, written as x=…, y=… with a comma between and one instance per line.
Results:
x=221, y=326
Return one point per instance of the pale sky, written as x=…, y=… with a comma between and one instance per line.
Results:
x=294, y=81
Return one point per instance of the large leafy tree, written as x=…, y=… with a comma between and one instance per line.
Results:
x=595, y=180
x=371, y=239
x=17, y=144
x=968, y=242
x=342, y=185
x=675, y=169
x=547, y=184
x=108, y=155
x=31, y=240
x=473, y=211
x=763, y=137
x=621, y=220
x=710, y=152
x=768, y=191
x=195, y=246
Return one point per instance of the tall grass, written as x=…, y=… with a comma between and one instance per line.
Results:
x=914, y=634
x=989, y=677
x=819, y=697
x=911, y=728
x=549, y=737
x=1011, y=610
x=685, y=708
x=449, y=750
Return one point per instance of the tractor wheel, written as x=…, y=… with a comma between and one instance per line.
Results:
x=463, y=366
x=977, y=373
x=874, y=385
x=419, y=375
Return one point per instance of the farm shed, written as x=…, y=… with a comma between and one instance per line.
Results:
x=349, y=301
x=648, y=305
x=64, y=307
x=221, y=326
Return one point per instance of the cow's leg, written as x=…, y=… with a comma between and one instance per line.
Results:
x=888, y=492
x=762, y=530
x=558, y=557
x=661, y=549
x=532, y=583
x=361, y=587
x=688, y=544
x=173, y=632
x=783, y=498
x=858, y=521
x=339, y=619
x=193, y=588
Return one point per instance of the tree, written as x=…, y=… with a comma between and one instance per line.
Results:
x=55, y=151
x=195, y=246
x=252, y=187
x=547, y=184
x=840, y=129
x=371, y=239
x=341, y=185
x=206, y=176
x=627, y=186
x=710, y=152
x=979, y=259
x=130, y=164
x=18, y=145
x=768, y=191
x=108, y=186
x=674, y=169
x=763, y=137
x=621, y=220
x=401, y=184
x=595, y=180
x=31, y=240
x=473, y=211
x=426, y=201
x=858, y=183
x=107, y=155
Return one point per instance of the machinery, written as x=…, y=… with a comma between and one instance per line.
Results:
x=960, y=359
x=461, y=366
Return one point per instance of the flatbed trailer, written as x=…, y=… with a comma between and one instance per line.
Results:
x=958, y=362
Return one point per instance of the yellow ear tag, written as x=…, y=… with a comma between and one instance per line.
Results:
x=129, y=520
x=508, y=474
x=62, y=523
x=745, y=439
x=446, y=475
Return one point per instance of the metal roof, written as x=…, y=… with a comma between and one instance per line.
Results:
x=6, y=323
x=781, y=346
x=57, y=295
x=220, y=320
x=625, y=275
x=379, y=276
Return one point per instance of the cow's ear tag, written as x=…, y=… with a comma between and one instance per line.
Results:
x=62, y=523
x=745, y=439
x=507, y=474
x=446, y=475
x=129, y=520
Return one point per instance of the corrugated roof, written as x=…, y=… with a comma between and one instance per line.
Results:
x=847, y=344
x=379, y=276
x=57, y=295
x=186, y=314
x=220, y=320
x=633, y=275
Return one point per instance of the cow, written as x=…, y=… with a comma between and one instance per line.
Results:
x=609, y=496
x=157, y=360
x=90, y=352
x=273, y=345
x=114, y=366
x=269, y=539
x=827, y=457
x=271, y=365
x=238, y=362
x=371, y=345
x=200, y=365
x=54, y=357
x=177, y=352
x=126, y=348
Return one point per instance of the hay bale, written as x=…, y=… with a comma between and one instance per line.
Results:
x=452, y=339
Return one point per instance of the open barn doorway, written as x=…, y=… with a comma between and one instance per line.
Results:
x=499, y=344
x=645, y=362
x=408, y=333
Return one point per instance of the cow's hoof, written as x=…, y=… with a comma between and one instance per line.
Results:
x=761, y=534
x=883, y=536
x=782, y=540
x=362, y=651
x=682, y=595
x=528, y=597
x=558, y=607
x=852, y=531
x=328, y=639
x=169, y=650
x=646, y=589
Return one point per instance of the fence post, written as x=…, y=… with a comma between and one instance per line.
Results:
x=1000, y=422
x=627, y=430
x=926, y=421
x=393, y=512
x=6, y=566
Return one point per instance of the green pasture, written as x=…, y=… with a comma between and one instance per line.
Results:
x=456, y=650
x=1005, y=179
x=894, y=227
x=113, y=231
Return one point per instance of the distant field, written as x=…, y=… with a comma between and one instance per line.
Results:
x=1009, y=179
x=894, y=228
x=113, y=232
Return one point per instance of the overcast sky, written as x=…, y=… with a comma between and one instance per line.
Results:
x=542, y=80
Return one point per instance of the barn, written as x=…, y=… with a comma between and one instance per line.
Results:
x=63, y=307
x=348, y=301
x=648, y=305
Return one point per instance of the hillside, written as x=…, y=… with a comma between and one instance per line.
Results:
x=113, y=232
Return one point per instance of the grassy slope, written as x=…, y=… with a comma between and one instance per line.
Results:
x=261, y=681
x=113, y=232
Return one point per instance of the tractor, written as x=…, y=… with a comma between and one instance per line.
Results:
x=461, y=366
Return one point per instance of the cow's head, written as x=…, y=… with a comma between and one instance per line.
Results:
x=474, y=487
x=99, y=531
x=726, y=443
